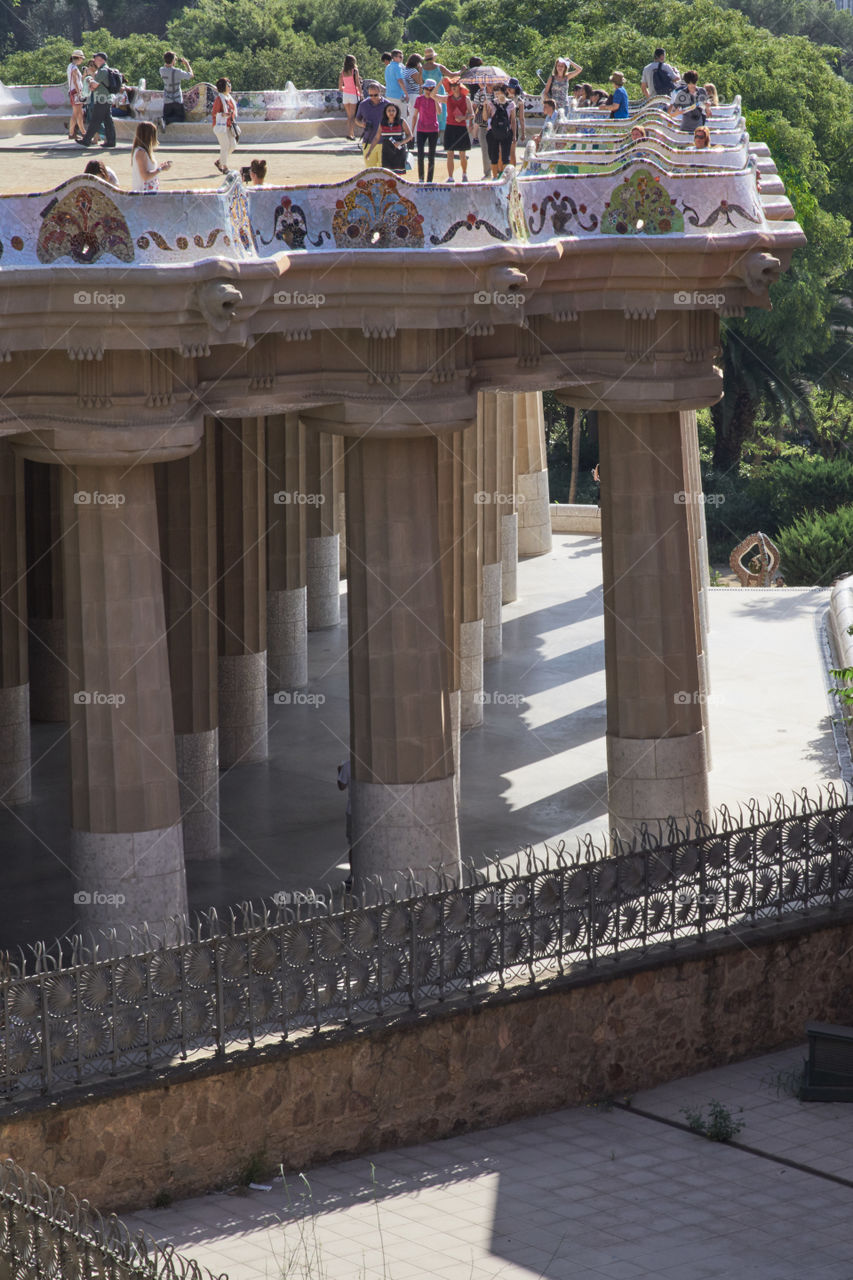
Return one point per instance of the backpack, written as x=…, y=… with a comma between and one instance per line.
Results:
x=499, y=125
x=114, y=80
x=663, y=81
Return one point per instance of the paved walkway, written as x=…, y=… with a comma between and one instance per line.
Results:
x=535, y=772
x=588, y=1194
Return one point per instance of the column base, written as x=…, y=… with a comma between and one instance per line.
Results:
x=323, y=575
x=197, y=757
x=509, y=558
x=471, y=672
x=652, y=779
x=492, y=635
x=128, y=878
x=402, y=826
x=15, y=780
x=534, y=514
x=242, y=709
x=48, y=673
x=287, y=639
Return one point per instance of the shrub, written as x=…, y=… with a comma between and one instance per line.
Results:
x=431, y=19
x=793, y=486
x=817, y=548
x=719, y=1125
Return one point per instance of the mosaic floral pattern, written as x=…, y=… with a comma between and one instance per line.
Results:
x=641, y=206
x=84, y=225
x=562, y=210
x=290, y=226
x=238, y=211
x=181, y=242
x=517, y=220
x=376, y=216
x=723, y=210
x=198, y=101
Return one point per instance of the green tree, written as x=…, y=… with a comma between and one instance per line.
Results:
x=431, y=19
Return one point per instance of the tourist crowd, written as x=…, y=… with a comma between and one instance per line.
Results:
x=401, y=118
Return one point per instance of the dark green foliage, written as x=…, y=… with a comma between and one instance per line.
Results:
x=817, y=548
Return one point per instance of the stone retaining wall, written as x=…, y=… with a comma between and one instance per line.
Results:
x=428, y=1076
x=576, y=517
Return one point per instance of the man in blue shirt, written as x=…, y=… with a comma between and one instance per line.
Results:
x=369, y=118
x=395, y=77
x=618, y=105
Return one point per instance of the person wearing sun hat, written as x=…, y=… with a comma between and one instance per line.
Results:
x=425, y=128
x=76, y=95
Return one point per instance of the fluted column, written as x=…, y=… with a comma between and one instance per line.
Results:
x=450, y=539
x=339, y=459
x=287, y=593
x=403, y=796
x=322, y=543
x=694, y=501
x=127, y=845
x=655, y=735
x=471, y=628
x=242, y=593
x=507, y=489
x=534, y=514
x=14, y=674
x=46, y=613
x=490, y=496
x=186, y=507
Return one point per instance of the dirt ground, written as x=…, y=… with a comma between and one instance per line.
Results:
x=30, y=166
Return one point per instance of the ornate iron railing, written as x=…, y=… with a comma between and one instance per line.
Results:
x=46, y=1233
x=71, y=1015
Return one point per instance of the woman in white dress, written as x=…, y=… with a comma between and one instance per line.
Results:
x=225, y=123
x=146, y=172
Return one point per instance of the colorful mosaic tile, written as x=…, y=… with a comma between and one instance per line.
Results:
x=641, y=206
x=84, y=225
x=376, y=216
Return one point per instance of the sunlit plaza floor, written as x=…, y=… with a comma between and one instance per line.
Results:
x=533, y=773
x=594, y=1193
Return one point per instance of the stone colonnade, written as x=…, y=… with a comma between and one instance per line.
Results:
x=169, y=596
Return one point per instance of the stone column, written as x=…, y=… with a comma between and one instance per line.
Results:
x=186, y=508
x=322, y=543
x=127, y=845
x=507, y=491
x=487, y=414
x=471, y=628
x=287, y=593
x=242, y=593
x=450, y=537
x=691, y=443
x=695, y=523
x=534, y=513
x=339, y=455
x=46, y=612
x=14, y=674
x=403, y=797
x=655, y=737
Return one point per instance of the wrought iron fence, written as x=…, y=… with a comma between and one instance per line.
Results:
x=46, y=1233
x=268, y=973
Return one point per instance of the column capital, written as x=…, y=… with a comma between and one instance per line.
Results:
x=394, y=416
